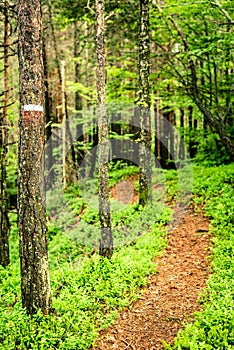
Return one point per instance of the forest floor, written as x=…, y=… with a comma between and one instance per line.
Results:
x=171, y=295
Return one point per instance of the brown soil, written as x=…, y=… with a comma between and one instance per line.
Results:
x=124, y=191
x=171, y=295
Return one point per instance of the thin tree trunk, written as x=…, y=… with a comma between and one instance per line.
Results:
x=145, y=122
x=64, y=127
x=58, y=68
x=77, y=53
x=172, y=141
x=192, y=130
x=4, y=221
x=78, y=104
x=181, y=149
x=164, y=138
x=68, y=154
x=48, y=121
x=106, y=242
x=87, y=78
x=35, y=280
x=157, y=131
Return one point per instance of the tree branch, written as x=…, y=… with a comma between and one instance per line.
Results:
x=90, y=8
x=225, y=13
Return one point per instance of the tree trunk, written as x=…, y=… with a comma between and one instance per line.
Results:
x=58, y=110
x=48, y=121
x=64, y=126
x=164, y=138
x=144, y=103
x=172, y=141
x=157, y=150
x=80, y=153
x=35, y=280
x=192, y=130
x=181, y=149
x=106, y=242
x=4, y=221
x=87, y=77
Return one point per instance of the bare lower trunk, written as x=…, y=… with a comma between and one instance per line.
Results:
x=106, y=243
x=80, y=153
x=35, y=280
x=4, y=221
x=145, y=122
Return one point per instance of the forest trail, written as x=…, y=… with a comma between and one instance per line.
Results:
x=171, y=296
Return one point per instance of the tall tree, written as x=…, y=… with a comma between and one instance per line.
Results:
x=35, y=280
x=106, y=242
x=78, y=100
x=144, y=105
x=4, y=221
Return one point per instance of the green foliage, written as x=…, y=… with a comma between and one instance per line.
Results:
x=214, y=326
x=210, y=149
x=12, y=171
x=171, y=184
x=120, y=81
x=85, y=92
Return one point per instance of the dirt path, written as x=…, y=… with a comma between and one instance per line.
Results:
x=171, y=295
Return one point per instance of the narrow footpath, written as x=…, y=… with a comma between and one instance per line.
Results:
x=171, y=296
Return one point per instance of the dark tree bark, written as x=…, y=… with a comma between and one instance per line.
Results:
x=87, y=75
x=80, y=153
x=172, y=141
x=144, y=105
x=77, y=53
x=192, y=130
x=164, y=138
x=157, y=132
x=181, y=149
x=35, y=280
x=59, y=93
x=4, y=221
x=48, y=121
x=106, y=242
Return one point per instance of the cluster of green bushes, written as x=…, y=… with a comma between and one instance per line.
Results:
x=214, y=326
